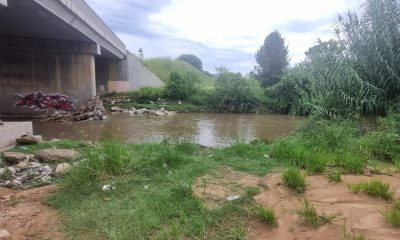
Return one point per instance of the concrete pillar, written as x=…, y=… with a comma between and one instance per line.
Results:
x=28, y=66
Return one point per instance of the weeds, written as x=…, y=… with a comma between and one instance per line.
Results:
x=392, y=214
x=375, y=188
x=266, y=215
x=294, y=179
x=308, y=212
x=351, y=236
x=334, y=177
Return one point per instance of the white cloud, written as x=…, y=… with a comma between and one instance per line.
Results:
x=243, y=25
x=220, y=32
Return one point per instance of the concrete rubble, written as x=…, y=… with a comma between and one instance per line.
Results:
x=22, y=171
x=159, y=112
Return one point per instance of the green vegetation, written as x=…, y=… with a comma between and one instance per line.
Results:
x=152, y=190
x=266, y=215
x=357, y=73
x=192, y=60
x=272, y=59
x=308, y=212
x=334, y=177
x=352, y=236
x=375, y=188
x=392, y=215
x=293, y=178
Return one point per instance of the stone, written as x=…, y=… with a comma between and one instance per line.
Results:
x=16, y=182
x=115, y=109
x=12, y=170
x=63, y=168
x=4, y=234
x=34, y=165
x=23, y=164
x=14, y=157
x=55, y=140
x=2, y=171
x=1, y=123
x=232, y=198
x=45, y=170
x=56, y=155
x=29, y=139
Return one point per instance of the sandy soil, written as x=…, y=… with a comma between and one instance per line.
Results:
x=24, y=215
x=360, y=213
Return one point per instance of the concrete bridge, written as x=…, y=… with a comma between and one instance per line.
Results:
x=62, y=46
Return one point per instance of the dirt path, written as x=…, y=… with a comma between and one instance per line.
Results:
x=25, y=217
x=360, y=213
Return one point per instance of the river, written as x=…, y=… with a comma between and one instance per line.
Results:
x=209, y=129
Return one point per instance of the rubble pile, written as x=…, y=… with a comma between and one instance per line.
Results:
x=159, y=112
x=93, y=110
x=23, y=171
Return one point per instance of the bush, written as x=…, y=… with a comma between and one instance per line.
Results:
x=294, y=179
x=236, y=94
x=180, y=87
x=292, y=94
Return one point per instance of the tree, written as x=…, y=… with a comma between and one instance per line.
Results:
x=272, y=59
x=192, y=60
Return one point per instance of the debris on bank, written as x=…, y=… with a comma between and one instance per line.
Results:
x=159, y=112
x=93, y=110
x=22, y=171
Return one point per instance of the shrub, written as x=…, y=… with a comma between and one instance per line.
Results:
x=375, y=188
x=180, y=87
x=235, y=93
x=294, y=179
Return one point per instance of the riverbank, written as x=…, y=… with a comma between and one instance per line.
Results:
x=182, y=190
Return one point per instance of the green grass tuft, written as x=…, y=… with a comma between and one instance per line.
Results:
x=266, y=215
x=308, y=212
x=392, y=215
x=293, y=178
x=334, y=176
x=375, y=188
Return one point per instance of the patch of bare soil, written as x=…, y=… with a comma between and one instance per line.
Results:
x=216, y=188
x=361, y=214
x=24, y=216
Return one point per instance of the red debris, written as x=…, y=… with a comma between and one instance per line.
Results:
x=40, y=101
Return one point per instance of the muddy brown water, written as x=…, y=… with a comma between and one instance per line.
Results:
x=209, y=129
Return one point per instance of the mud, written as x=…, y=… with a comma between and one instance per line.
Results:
x=25, y=216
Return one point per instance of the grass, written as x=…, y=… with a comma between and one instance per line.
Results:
x=294, y=179
x=153, y=191
x=334, y=177
x=375, y=188
x=266, y=215
x=352, y=236
x=308, y=212
x=163, y=67
x=392, y=214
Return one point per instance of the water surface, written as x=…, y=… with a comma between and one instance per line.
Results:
x=209, y=129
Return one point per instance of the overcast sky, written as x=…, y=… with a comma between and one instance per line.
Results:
x=220, y=32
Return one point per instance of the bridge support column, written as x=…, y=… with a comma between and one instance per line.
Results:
x=28, y=65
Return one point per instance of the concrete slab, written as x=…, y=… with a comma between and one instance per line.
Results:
x=12, y=130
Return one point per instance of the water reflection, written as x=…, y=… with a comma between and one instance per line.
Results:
x=205, y=128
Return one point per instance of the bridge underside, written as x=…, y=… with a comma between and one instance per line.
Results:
x=55, y=46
